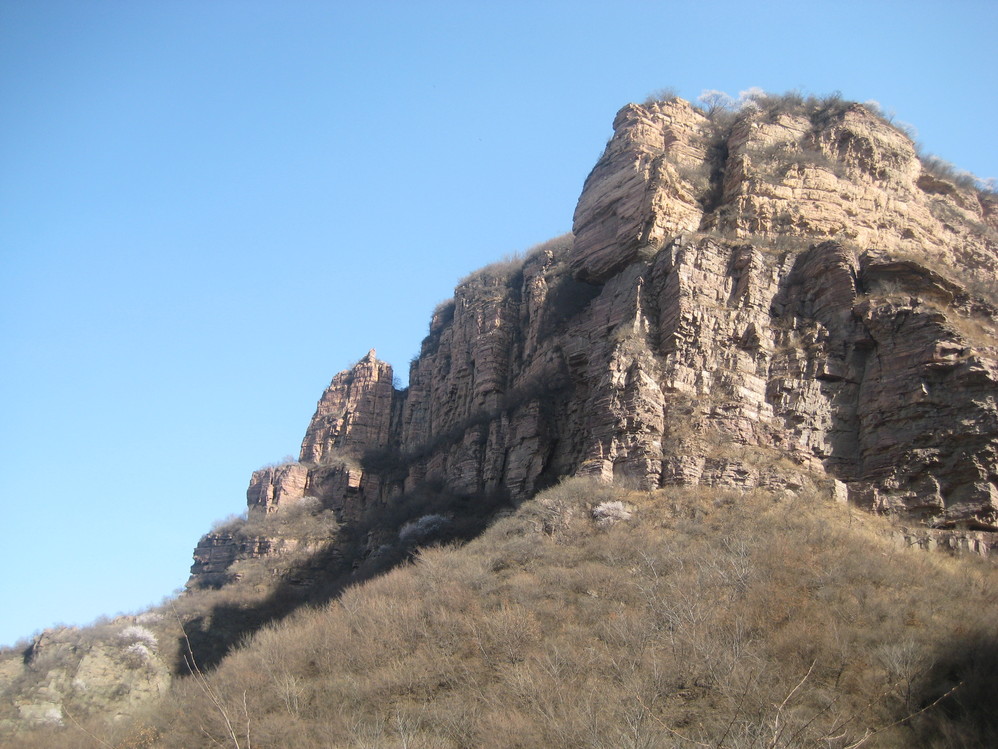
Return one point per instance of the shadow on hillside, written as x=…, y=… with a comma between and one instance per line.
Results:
x=209, y=636
x=960, y=695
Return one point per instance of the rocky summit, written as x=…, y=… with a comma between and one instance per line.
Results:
x=778, y=297
x=783, y=297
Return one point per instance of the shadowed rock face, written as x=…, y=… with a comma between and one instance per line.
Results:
x=782, y=299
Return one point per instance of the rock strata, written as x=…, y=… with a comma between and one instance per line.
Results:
x=354, y=414
x=270, y=487
x=784, y=297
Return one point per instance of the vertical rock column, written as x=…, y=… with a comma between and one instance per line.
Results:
x=354, y=413
x=353, y=417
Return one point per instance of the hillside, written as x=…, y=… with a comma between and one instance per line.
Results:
x=598, y=617
x=767, y=326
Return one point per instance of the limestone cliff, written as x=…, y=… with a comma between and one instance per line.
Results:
x=777, y=297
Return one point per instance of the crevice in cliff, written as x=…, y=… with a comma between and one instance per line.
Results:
x=716, y=163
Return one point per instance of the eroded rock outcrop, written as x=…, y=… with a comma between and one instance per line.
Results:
x=643, y=190
x=67, y=673
x=778, y=298
x=354, y=414
x=273, y=486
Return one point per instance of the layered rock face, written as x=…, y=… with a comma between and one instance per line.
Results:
x=270, y=487
x=780, y=297
x=354, y=414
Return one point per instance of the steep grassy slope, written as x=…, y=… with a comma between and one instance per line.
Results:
x=594, y=617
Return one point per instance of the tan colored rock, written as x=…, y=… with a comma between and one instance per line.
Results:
x=215, y=554
x=40, y=713
x=643, y=190
x=110, y=669
x=982, y=543
x=354, y=413
x=786, y=300
x=850, y=177
x=271, y=486
x=684, y=355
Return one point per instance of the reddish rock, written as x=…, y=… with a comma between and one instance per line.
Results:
x=271, y=486
x=783, y=301
x=354, y=414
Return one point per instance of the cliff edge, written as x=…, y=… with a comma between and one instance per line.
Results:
x=776, y=297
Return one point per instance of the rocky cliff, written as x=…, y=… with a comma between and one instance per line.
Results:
x=783, y=297
x=775, y=297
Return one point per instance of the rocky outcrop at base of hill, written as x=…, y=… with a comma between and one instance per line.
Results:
x=67, y=673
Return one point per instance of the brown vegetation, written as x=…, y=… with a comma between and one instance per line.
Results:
x=697, y=618
x=510, y=266
x=723, y=110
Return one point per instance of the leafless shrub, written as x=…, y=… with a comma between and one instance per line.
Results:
x=607, y=514
x=341, y=458
x=426, y=526
x=443, y=313
x=497, y=273
x=661, y=95
x=557, y=246
x=510, y=266
x=714, y=102
x=287, y=460
x=942, y=169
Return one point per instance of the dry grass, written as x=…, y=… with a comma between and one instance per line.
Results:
x=507, y=269
x=711, y=619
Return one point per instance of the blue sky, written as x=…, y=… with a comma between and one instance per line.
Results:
x=207, y=209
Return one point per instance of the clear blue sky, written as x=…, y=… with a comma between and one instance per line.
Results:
x=207, y=209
